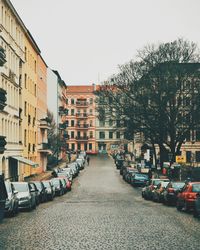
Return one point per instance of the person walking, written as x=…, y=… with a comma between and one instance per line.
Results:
x=88, y=160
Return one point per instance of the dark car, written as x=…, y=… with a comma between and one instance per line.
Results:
x=187, y=196
x=158, y=191
x=12, y=202
x=25, y=195
x=36, y=191
x=139, y=179
x=147, y=191
x=42, y=191
x=171, y=191
x=50, y=190
x=130, y=172
x=3, y=197
x=59, y=189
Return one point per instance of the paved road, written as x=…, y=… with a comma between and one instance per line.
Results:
x=101, y=212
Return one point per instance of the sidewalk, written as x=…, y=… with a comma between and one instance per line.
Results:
x=47, y=174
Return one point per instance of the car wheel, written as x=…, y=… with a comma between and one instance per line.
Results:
x=178, y=206
x=195, y=213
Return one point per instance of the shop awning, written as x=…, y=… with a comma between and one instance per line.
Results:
x=25, y=161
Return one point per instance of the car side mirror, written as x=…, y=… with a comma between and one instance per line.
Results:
x=15, y=192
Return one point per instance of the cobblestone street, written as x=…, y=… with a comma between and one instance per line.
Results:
x=101, y=212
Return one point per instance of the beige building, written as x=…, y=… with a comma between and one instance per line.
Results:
x=12, y=40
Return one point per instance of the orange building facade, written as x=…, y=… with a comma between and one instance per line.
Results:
x=80, y=102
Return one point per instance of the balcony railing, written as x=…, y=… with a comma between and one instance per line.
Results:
x=82, y=126
x=81, y=138
x=82, y=103
x=44, y=123
x=81, y=115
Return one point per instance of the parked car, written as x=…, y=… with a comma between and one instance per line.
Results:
x=68, y=183
x=42, y=191
x=196, y=211
x=3, y=197
x=138, y=179
x=25, y=195
x=12, y=202
x=171, y=191
x=187, y=196
x=147, y=191
x=49, y=189
x=59, y=189
x=37, y=193
x=158, y=191
x=81, y=163
x=129, y=173
x=64, y=184
x=66, y=172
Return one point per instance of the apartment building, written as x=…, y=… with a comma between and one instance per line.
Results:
x=81, y=118
x=42, y=121
x=22, y=77
x=12, y=41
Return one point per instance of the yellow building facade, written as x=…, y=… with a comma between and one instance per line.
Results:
x=29, y=103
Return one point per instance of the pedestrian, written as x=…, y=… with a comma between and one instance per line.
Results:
x=88, y=160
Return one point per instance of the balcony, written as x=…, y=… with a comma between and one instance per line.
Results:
x=63, y=125
x=44, y=148
x=44, y=124
x=81, y=138
x=82, y=104
x=82, y=126
x=63, y=111
x=82, y=115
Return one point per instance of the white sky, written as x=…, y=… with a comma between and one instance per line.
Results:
x=86, y=40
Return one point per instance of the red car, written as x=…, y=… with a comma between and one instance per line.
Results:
x=187, y=196
x=68, y=183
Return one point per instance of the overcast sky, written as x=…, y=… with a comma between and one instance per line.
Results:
x=86, y=40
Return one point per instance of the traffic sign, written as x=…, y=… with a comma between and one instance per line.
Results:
x=180, y=159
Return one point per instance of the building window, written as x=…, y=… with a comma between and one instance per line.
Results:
x=91, y=111
x=110, y=122
x=90, y=146
x=197, y=156
x=72, y=101
x=188, y=156
x=198, y=135
x=102, y=135
x=25, y=53
x=118, y=123
x=79, y=146
x=90, y=123
x=72, y=134
x=118, y=135
x=73, y=146
x=25, y=137
x=91, y=134
x=25, y=81
x=72, y=123
x=35, y=66
x=25, y=108
x=66, y=101
x=101, y=123
x=91, y=100
x=110, y=135
x=72, y=111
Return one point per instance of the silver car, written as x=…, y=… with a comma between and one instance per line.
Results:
x=26, y=195
x=12, y=202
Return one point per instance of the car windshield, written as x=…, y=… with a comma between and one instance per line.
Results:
x=46, y=184
x=38, y=185
x=56, y=182
x=21, y=187
x=178, y=185
x=156, y=182
x=196, y=188
x=141, y=176
x=8, y=187
x=164, y=183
